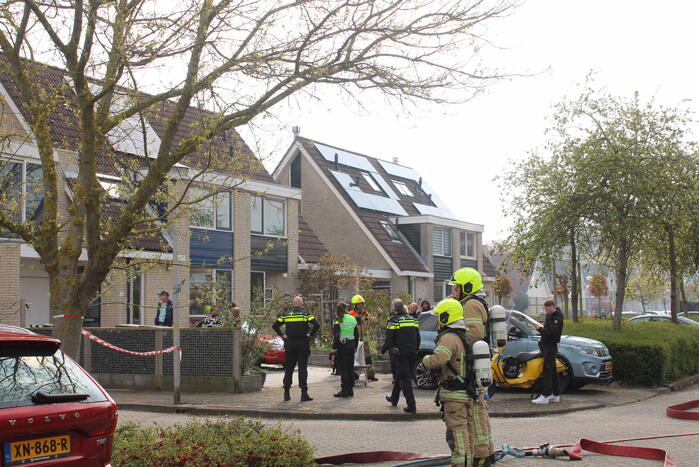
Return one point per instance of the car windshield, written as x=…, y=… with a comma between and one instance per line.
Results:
x=21, y=377
x=428, y=321
x=524, y=321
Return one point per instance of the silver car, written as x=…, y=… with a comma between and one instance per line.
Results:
x=588, y=360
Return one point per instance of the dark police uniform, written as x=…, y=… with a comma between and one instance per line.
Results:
x=403, y=341
x=296, y=345
x=550, y=337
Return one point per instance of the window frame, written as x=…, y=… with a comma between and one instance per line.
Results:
x=214, y=200
x=463, y=244
x=214, y=279
x=446, y=234
x=392, y=234
x=403, y=188
x=371, y=182
x=22, y=182
x=262, y=216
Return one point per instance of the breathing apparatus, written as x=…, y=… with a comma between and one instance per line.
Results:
x=498, y=327
x=480, y=352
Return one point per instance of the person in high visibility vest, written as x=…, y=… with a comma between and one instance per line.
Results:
x=345, y=342
x=362, y=317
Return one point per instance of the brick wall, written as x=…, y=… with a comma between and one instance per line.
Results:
x=241, y=250
x=9, y=283
x=292, y=249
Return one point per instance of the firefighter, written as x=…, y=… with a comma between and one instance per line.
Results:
x=403, y=342
x=296, y=344
x=345, y=341
x=362, y=317
x=466, y=282
x=456, y=391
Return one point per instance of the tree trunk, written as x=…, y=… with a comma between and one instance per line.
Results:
x=574, y=277
x=673, y=273
x=68, y=304
x=621, y=278
x=683, y=297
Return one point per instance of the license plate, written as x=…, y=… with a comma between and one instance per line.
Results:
x=34, y=450
x=608, y=366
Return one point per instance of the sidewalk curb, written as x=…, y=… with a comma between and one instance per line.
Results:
x=373, y=416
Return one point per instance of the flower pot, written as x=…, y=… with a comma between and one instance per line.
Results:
x=253, y=382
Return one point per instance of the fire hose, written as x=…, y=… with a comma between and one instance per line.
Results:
x=573, y=451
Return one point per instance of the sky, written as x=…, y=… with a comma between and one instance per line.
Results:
x=641, y=45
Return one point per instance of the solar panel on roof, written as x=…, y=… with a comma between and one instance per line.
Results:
x=435, y=199
x=400, y=171
x=345, y=158
x=366, y=200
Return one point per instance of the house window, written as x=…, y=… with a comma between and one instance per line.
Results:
x=134, y=297
x=257, y=287
x=21, y=190
x=468, y=244
x=389, y=230
x=441, y=290
x=212, y=212
x=295, y=172
x=403, y=188
x=441, y=241
x=207, y=287
x=267, y=216
x=370, y=180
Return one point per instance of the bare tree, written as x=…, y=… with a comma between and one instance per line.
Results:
x=128, y=60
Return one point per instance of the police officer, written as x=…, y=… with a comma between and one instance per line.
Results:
x=455, y=392
x=345, y=341
x=296, y=345
x=466, y=282
x=403, y=342
x=550, y=337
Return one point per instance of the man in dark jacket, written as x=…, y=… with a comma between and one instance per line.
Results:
x=163, y=313
x=297, y=337
x=550, y=337
x=403, y=342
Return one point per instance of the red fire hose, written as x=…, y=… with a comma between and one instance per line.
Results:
x=573, y=451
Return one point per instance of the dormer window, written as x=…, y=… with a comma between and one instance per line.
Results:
x=402, y=188
x=389, y=230
x=370, y=180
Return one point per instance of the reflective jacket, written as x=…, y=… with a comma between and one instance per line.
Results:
x=403, y=333
x=475, y=317
x=297, y=323
x=450, y=348
x=345, y=331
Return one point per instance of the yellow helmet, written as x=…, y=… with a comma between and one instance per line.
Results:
x=469, y=279
x=448, y=311
x=357, y=299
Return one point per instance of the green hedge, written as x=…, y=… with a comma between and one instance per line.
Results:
x=235, y=442
x=645, y=354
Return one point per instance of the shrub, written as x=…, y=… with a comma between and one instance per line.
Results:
x=645, y=354
x=235, y=442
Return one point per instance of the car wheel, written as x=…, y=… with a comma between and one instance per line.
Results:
x=565, y=377
x=423, y=378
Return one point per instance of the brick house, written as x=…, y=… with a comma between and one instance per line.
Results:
x=216, y=240
x=383, y=216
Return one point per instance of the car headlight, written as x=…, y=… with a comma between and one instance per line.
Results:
x=588, y=350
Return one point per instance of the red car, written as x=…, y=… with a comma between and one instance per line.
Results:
x=275, y=354
x=52, y=413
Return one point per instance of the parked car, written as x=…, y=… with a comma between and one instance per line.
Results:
x=588, y=360
x=629, y=314
x=53, y=412
x=275, y=355
x=662, y=318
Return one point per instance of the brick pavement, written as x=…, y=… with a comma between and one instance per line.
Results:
x=368, y=403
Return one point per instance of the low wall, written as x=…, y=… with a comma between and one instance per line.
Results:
x=207, y=365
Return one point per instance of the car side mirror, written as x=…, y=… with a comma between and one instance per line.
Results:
x=514, y=333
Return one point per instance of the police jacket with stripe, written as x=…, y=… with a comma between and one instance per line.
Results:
x=297, y=323
x=403, y=333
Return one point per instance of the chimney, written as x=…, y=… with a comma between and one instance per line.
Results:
x=296, y=130
x=395, y=159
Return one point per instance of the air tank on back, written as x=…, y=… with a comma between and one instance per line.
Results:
x=498, y=327
x=481, y=363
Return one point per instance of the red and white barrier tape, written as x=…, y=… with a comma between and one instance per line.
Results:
x=94, y=338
